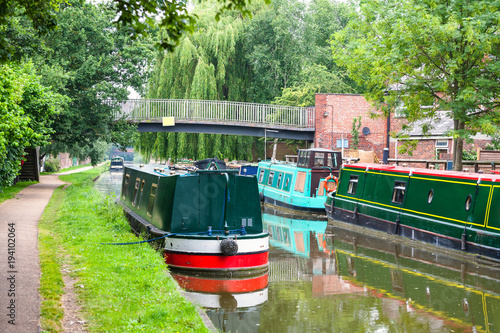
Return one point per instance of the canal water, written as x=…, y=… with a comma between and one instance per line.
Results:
x=328, y=278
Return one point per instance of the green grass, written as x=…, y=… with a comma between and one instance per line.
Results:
x=10, y=192
x=124, y=288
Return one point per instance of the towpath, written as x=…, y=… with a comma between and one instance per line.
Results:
x=19, y=262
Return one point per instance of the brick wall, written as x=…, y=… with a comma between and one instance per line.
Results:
x=337, y=124
x=334, y=115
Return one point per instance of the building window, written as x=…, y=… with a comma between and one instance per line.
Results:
x=400, y=109
x=353, y=184
x=398, y=192
x=441, y=143
x=345, y=141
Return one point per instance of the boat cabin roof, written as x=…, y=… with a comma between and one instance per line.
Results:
x=426, y=172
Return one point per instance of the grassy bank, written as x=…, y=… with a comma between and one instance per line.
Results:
x=121, y=288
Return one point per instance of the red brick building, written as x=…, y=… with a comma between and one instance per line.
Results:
x=334, y=117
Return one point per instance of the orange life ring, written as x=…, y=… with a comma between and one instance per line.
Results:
x=328, y=189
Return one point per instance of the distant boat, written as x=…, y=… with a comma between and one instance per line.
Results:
x=449, y=209
x=117, y=164
x=208, y=220
x=301, y=186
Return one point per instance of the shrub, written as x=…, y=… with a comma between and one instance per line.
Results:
x=52, y=165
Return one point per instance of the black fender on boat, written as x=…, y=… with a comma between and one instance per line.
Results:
x=229, y=247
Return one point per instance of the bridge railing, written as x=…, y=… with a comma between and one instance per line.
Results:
x=138, y=110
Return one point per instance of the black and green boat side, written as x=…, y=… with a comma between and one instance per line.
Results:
x=454, y=210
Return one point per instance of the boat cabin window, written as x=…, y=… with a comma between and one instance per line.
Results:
x=280, y=175
x=286, y=187
x=142, y=191
x=353, y=184
x=398, y=193
x=270, y=179
x=332, y=160
x=152, y=196
x=430, y=196
x=319, y=159
x=136, y=191
x=261, y=175
x=302, y=157
x=310, y=159
x=125, y=186
x=468, y=202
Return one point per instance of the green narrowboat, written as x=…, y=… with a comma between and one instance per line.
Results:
x=300, y=186
x=450, y=209
x=209, y=220
x=117, y=164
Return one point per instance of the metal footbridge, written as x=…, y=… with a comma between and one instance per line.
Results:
x=220, y=117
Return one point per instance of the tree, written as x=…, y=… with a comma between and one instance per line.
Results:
x=175, y=20
x=94, y=64
x=314, y=79
x=26, y=108
x=21, y=22
x=356, y=124
x=437, y=53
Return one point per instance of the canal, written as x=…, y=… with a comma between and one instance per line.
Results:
x=326, y=278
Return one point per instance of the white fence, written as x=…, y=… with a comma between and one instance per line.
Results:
x=250, y=114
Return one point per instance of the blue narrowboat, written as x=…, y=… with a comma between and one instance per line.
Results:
x=301, y=186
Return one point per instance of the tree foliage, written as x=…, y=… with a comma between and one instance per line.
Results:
x=437, y=53
x=280, y=56
x=26, y=108
x=175, y=19
x=21, y=22
x=93, y=62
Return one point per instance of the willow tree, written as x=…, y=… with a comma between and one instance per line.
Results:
x=207, y=65
x=437, y=53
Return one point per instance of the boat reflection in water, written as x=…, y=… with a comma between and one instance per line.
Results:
x=337, y=279
x=232, y=304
